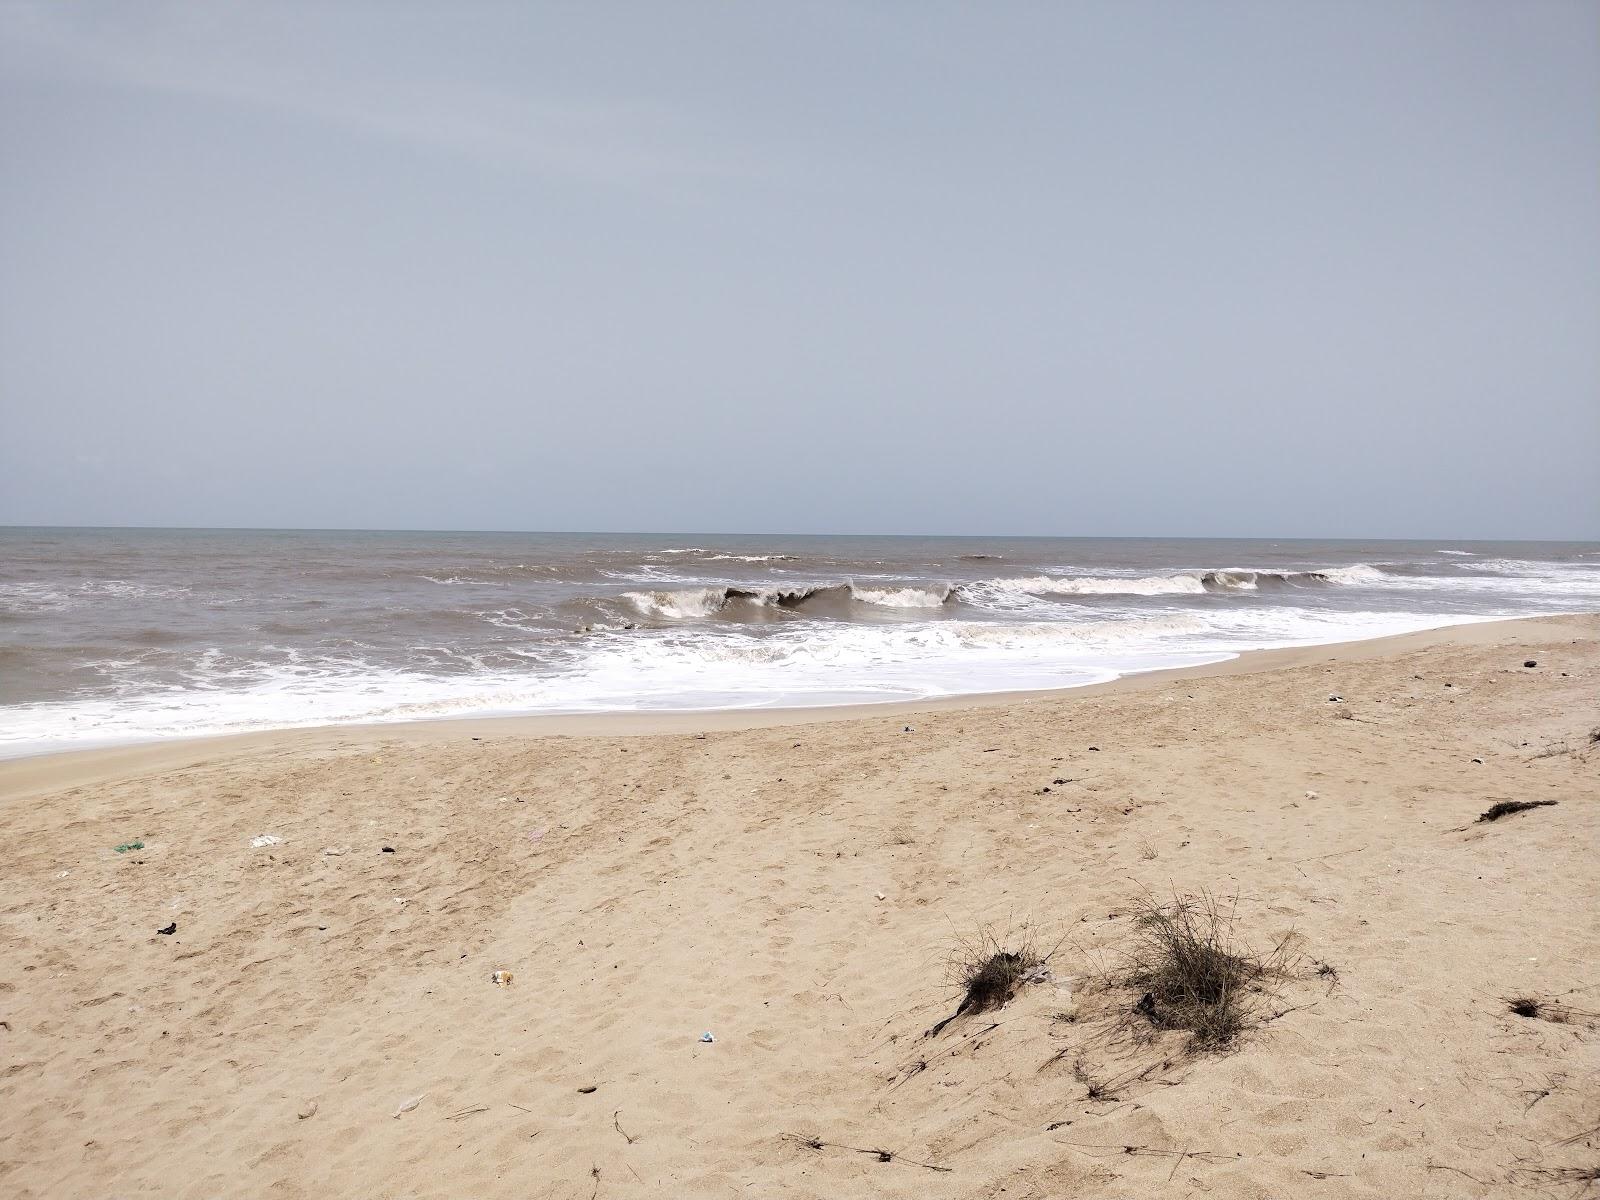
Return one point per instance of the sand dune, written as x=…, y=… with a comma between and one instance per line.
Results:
x=797, y=890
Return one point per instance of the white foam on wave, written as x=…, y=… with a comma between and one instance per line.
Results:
x=933, y=596
x=1052, y=585
x=701, y=602
x=28, y=599
x=680, y=603
x=31, y=598
x=1563, y=585
x=457, y=581
x=695, y=667
x=721, y=556
x=1361, y=574
x=1180, y=583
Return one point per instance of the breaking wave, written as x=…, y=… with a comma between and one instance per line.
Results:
x=902, y=597
x=700, y=602
x=689, y=603
x=1183, y=583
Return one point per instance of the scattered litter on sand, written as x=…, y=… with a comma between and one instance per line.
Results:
x=501, y=978
x=707, y=1038
x=265, y=839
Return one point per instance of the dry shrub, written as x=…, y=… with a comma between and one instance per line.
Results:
x=1194, y=974
x=1094, y=1087
x=1506, y=807
x=989, y=968
x=1554, y=1011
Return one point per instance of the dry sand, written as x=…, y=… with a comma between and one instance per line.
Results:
x=646, y=888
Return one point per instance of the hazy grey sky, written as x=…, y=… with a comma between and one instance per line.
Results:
x=1271, y=268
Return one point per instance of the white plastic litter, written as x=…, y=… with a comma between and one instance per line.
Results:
x=407, y=1105
x=706, y=1037
x=265, y=839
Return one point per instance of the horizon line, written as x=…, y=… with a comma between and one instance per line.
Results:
x=710, y=533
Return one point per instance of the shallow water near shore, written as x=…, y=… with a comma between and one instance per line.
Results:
x=111, y=636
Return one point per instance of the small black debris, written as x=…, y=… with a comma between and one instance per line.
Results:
x=169, y=930
x=388, y=849
x=584, y=1091
x=1095, y=748
x=1532, y=662
x=1146, y=1007
x=1479, y=761
x=1506, y=807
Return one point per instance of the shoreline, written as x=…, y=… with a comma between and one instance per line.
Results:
x=45, y=770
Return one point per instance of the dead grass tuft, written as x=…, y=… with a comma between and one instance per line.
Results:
x=989, y=968
x=1554, y=1011
x=1095, y=1088
x=1579, y=1177
x=1193, y=972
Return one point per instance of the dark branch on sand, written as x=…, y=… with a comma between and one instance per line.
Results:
x=1506, y=807
x=812, y=1143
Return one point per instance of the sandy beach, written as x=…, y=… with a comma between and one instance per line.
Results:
x=796, y=885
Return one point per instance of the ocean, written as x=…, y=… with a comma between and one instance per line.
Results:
x=111, y=636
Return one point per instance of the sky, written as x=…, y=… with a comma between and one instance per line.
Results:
x=1166, y=269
